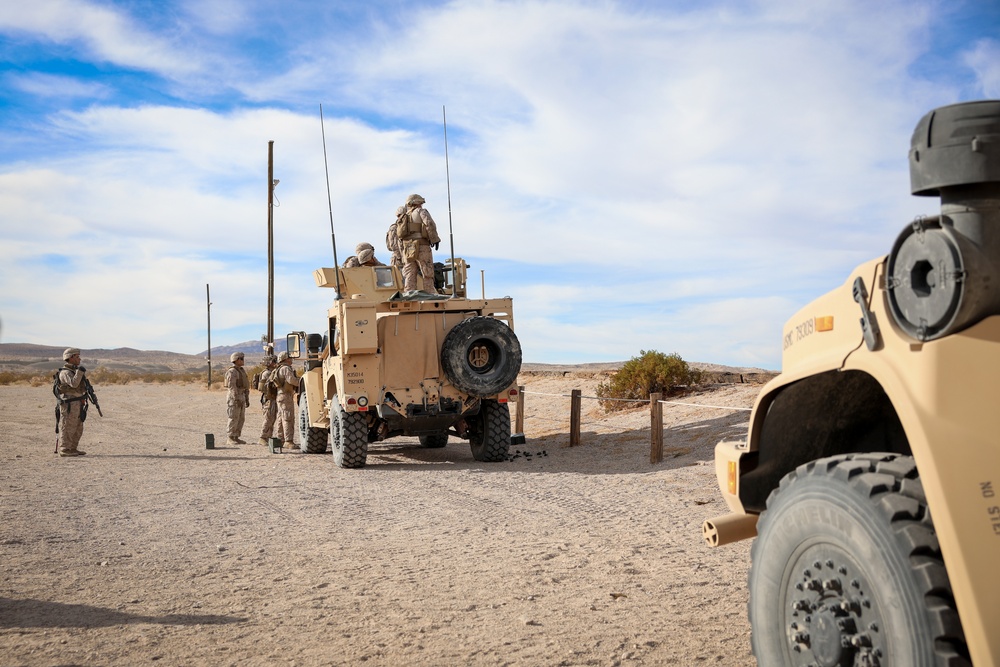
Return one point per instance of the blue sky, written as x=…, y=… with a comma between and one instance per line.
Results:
x=637, y=175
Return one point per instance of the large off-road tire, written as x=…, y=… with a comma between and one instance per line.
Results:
x=349, y=435
x=846, y=570
x=312, y=440
x=434, y=441
x=489, y=432
x=481, y=356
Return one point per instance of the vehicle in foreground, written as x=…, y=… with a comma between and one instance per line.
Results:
x=871, y=469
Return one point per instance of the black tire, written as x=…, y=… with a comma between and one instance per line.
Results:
x=481, y=356
x=846, y=570
x=489, y=432
x=312, y=440
x=434, y=441
x=349, y=434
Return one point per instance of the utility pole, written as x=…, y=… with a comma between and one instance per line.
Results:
x=208, y=300
x=270, y=242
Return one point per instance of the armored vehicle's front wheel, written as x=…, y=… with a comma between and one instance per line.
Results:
x=312, y=440
x=489, y=432
x=481, y=356
x=434, y=441
x=846, y=570
x=349, y=435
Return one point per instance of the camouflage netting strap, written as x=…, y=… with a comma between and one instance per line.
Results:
x=418, y=295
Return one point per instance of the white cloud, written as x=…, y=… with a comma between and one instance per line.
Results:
x=984, y=59
x=52, y=86
x=108, y=35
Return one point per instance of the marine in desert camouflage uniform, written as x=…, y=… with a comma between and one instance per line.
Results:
x=392, y=241
x=72, y=403
x=365, y=256
x=415, y=246
x=238, y=399
x=269, y=403
x=287, y=382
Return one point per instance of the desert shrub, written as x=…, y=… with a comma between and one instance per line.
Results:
x=649, y=373
x=102, y=375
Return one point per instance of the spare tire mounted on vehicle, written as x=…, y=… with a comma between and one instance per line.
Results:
x=481, y=356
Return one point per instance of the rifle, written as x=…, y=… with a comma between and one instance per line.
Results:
x=92, y=396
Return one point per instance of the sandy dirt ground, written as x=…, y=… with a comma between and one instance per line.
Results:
x=153, y=549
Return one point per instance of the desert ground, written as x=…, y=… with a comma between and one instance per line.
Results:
x=153, y=549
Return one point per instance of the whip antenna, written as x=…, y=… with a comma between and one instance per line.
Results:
x=451, y=234
x=329, y=201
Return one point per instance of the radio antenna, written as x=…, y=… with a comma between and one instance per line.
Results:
x=447, y=176
x=329, y=201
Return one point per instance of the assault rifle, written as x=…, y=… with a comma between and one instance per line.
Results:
x=91, y=395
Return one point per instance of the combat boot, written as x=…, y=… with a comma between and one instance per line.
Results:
x=232, y=441
x=70, y=452
x=240, y=441
x=288, y=445
x=262, y=441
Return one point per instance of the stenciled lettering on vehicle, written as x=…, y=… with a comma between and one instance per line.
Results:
x=798, y=332
x=993, y=511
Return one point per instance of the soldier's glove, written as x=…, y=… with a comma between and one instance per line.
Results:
x=437, y=245
x=81, y=368
x=248, y=401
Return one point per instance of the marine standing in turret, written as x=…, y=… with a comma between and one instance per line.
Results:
x=417, y=233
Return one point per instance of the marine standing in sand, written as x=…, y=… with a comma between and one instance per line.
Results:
x=287, y=382
x=238, y=399
x=72, y=391
x=268, y=402
x=418, y=234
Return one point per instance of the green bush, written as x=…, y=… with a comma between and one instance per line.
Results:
x=650, y=373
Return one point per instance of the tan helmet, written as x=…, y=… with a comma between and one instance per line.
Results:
x=366, y=255
x=235, y=355
x=413, y=200
x=69, y=352
x=282, y=357
x=364, y=245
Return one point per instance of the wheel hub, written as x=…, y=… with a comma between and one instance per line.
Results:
x=482, y=356
x=832, y=621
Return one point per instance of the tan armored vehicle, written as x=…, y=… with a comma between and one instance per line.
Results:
x=871, y=472
x=414, y=364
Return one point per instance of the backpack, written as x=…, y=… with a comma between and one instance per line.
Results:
x=402, y=221
x=255, y=382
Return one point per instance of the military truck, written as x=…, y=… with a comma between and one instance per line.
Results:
x=871, y=470
x=394, y=363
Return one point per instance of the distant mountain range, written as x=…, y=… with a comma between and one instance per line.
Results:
x=31, y=357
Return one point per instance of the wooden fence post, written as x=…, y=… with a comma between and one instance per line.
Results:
x=574, y=418
x=655, y=428
x=519, y=420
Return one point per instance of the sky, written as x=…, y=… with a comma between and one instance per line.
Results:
x=670, y=175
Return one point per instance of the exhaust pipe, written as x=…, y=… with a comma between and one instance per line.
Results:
x=729, y=528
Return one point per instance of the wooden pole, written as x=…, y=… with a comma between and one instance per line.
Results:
x=519, y=420
x=208, y=300
x=574, y=418
x=655, y=428
x=270, y=242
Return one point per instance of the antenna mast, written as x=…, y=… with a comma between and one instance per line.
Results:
x=329, y=201
x=447, y=176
